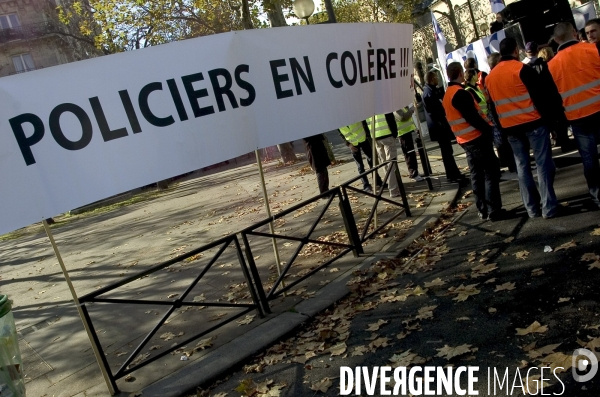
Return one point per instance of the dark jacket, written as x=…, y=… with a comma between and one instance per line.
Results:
x=545, y=97
x=496, y=27
x=316, y=152
x=434, y=113
x=464, y=103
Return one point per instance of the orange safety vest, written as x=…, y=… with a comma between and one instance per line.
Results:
x=510, y=96
x=576, y=71
x=463, y=131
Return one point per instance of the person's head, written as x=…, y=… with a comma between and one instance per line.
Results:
x=509, y=48
x=471, y=76
x=455, y=72
x=563, y=32
x=499, y=17
x=592, y=30
x=470, y=63
x=531, y=49
x=581, y=36
x=493, y=59
x=546, y=53
x=431, y=78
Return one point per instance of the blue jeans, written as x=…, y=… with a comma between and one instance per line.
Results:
x=539, y=141
x=587, y=138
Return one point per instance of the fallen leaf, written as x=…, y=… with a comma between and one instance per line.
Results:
x=246, y=320
x=537, y=272
x=204, y=344
x=449, y=352
x=359, y=351
x=463, y=292
x=533, y=328
x=522, y=254
x=434, y=283
x=492, y=310
x=323, y=385
x=406, y=359
x=533, y=384
x=565, y=246
x=596, y=232
x=509, y=239
x=505, y=287
x=481, y=270
x=463, y=233
x=338, y=349
x=167, y=336
x=542, y=351
x=375, y=326
x=561, y=300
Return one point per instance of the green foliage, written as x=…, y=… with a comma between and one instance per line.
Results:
x=369, y=11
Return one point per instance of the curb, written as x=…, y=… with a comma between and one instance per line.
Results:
x=226, y=357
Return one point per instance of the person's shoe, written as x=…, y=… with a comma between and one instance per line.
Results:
x=482, y=215
x=368, y=189
x=394, y=195
x=497, y=215
x=417, y=178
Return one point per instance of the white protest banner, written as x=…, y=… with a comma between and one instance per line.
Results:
x=480, y=49
x=77, y=133
x=583, y=13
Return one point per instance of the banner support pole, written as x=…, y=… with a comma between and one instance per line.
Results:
x=111, y=387
x=375, y=163
x=268, y=209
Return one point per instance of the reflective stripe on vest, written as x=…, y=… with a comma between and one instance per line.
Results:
x=463, y=131
x=354, y=133
x=509, y=94
x=576, y=71
x=404, y=127
x=382, y=128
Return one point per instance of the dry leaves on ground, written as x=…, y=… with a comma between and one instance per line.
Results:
x=434, y=283
x=591, y=256
x=323, y=385
x=522, y=254
x=449, y=352
x=537, y=272
x=406, y=359
x=463, y=292
x=565, y=246
x=596, y=232
x=505, y=287
x=536, y=327
x=375, y=326
x=481, y=270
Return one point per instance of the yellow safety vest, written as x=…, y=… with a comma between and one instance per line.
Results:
x=482, y=104
x=382, y=129
x=404, y=127
x=355, y=133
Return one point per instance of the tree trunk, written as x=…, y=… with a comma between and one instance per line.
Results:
x=246, y=20
x=286, y=150
x=452, y=18
x=276, y=18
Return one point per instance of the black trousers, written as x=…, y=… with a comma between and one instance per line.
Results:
x=452, y=171
x=485, y=174
x=357, y=151
x=410, y=155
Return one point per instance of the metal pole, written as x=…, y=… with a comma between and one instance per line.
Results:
x=473, y=19
x=330, y=13
x=268, y=209
x=111, y=386
x=375, y=162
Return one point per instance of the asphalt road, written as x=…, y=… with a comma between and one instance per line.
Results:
x=555, y=289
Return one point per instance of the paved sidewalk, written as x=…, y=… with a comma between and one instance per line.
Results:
x=103, y=249
x=515, y=295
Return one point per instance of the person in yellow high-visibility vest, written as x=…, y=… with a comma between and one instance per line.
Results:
x=406, y=126
x=386, y=133
x=358, y=139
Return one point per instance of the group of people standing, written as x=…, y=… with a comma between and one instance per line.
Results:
x=523, y=103
x=516, y=108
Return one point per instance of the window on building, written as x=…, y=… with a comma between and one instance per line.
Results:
x=23, y=63
x=9, y=21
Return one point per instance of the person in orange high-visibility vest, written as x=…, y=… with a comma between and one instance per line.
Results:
x=525, y=105
x=474, y=133
x=576, y=71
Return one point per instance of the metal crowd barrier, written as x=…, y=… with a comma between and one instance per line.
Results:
x=261, y=300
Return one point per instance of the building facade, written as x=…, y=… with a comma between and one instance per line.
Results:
x=32, y=37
